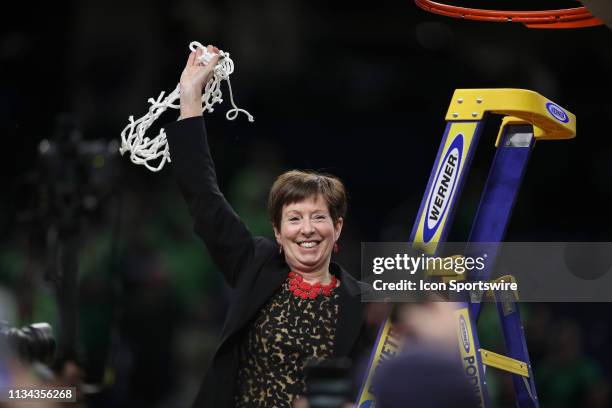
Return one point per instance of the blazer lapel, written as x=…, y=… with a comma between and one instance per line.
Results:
x=272, y=277
x=350, y=315
x=251, y=299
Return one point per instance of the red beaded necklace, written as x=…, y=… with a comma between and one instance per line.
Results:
x=306, y=290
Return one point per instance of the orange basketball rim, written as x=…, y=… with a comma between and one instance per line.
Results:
x=564, y=18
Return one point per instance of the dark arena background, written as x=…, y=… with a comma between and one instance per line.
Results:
x=357, y=89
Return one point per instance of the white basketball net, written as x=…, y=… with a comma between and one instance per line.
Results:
x=144, y=150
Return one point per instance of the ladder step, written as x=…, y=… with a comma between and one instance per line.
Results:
x=504, y=363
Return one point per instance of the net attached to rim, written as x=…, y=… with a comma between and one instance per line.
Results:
x=577, y=17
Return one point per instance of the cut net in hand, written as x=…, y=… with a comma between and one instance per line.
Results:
x=153, y=153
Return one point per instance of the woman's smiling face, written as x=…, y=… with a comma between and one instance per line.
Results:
x=307, y=234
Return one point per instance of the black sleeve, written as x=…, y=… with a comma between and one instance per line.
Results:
x=229, y=241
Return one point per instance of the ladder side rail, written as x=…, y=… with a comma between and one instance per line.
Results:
x=423, y=238
x=489, y=227
x=516, y=347
x=499, y=198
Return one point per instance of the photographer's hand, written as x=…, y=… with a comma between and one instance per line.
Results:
x=193, y=80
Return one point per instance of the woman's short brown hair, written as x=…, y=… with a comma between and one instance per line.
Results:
x=297, y=185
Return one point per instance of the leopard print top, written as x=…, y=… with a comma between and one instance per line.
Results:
x=286, y=334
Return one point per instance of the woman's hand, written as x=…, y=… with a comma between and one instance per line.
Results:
x=193, y=80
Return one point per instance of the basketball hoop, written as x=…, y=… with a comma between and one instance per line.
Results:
x=564, y=18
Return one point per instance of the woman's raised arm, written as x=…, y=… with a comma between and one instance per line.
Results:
x=228, y=239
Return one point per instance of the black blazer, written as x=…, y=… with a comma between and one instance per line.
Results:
x=252, y=266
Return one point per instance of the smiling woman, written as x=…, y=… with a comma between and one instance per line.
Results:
x=307, y=212
x=291, y=306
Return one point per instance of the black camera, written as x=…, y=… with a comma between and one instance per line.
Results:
x=30, y=343
x=328, y=383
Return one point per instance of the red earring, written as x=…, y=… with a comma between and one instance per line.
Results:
x=336, y=248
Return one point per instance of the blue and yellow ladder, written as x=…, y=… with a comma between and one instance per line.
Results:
x=528, y=116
